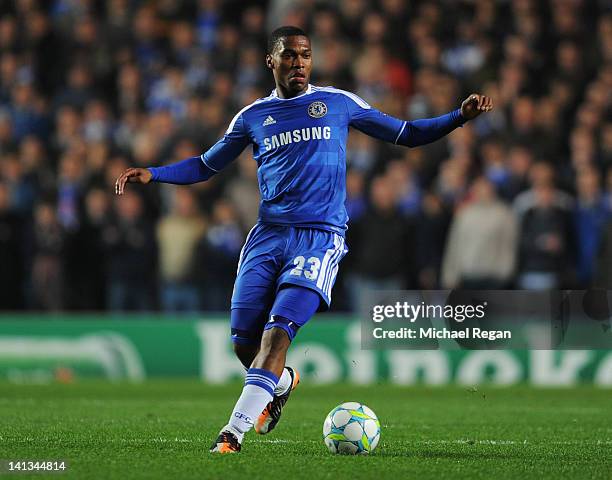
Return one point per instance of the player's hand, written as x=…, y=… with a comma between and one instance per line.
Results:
x=132, y=175
x=475, y=104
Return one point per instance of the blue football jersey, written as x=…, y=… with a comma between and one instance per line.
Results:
x=299, y=145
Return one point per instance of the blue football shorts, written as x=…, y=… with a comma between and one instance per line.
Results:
x=277, y=255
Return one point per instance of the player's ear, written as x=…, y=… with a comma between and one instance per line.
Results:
x=269, y=62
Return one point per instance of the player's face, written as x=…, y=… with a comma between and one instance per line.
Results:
x=291, y=63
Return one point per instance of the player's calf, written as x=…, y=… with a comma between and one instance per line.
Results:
x=280, y=328
x=246, y=353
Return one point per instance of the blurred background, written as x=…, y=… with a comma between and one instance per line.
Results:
x=519, y=198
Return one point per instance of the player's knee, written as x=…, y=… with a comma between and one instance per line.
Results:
x=282, y=324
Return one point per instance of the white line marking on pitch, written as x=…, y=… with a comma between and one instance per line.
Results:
x=292, y=441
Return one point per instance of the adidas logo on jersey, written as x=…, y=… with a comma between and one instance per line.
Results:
x=269, y=121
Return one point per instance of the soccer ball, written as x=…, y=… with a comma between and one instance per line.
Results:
x=351, y=428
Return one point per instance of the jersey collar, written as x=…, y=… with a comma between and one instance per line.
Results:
x=308, y=91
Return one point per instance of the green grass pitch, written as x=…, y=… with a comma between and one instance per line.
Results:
x=162, y=429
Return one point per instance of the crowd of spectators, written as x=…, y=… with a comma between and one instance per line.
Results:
x=519, y=198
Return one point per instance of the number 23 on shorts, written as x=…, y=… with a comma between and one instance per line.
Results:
x=311, y=272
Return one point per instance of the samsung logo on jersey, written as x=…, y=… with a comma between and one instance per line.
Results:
x=297, y=135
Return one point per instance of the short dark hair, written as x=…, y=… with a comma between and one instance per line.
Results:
x=282, y=32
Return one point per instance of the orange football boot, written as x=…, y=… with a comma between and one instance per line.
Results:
x=226, y=442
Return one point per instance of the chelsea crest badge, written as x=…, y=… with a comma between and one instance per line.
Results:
x=317, y=109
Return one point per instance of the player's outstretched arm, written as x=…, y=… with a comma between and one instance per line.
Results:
x=417, y=132
x=185, y=172
x=427, y=130
x=193, y=169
